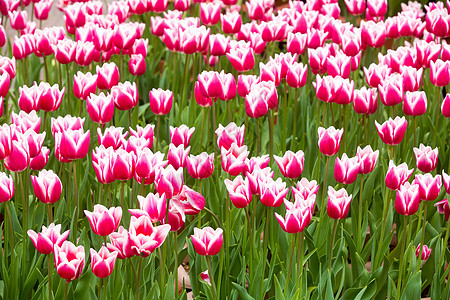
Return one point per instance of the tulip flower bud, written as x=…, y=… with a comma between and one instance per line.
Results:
x=181, y=135
x=242, y=58
x=397, y=175
x=102, y=263
x=440, y=73
x=6, y=187
x=19, y=158
x=47, y=186
x=443, y=208
x=100, y=107
x=272, y=192
x=239, y=191
x=426, y=158
x=104, y=221
x=137, y=65
x=445, y=108
x=429, y=186
x=231, y=22
x=69, y=260
x=73, y=144
x=207, y=241
x=415, y=103
x=45, y=241
x=425, y=252
x=18, y=19
x=169, y=181
x=392, y=131
x=338, y=203
x=330, y=140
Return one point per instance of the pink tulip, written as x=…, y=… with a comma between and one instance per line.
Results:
x=25, y=121
x=329, y=140
x=425, y=252
x=272, y=192
x=411, y=78
x=296, y=219
x=355, y=7
x=218, y=44
x=84, y=53
x=391, y=90
x=102, y=263
x=338, y=203
x=137, y=65
x=296, y=43
x=415, y=103
x=346, y=169
x=108, y=76
x=145, y=237
x=104, y=221
x=169, y=181
x=443, y=208
x=5, y=141
x=365, y=100
x=69, y=260
x=228, y=86
x=210, y=13
x=42, y=9
x=257, y=161
x=125, y=95
x=233, y=159
x=5, y=81
x=84, y=85
x=18, y=19
x=392, y=131
x=445, y=108
x=100, y=107
x=112, y=137
x=446, y=180
x=373, y=34
x=296, y=75
x=19, y=158
x=339, y=65
x=376, y=73
x=231, y=22
x=239, y=191
x=160, y=101
x=397, y=175
x=153, y=206
x=73, y=144
x=426, y=158
x=181, y=135
x=291, y=164
x=6, y=187
x=207, y=241
x=47, y=186
x=177, y=155
x=148, y=163
x=439, y=73
x=124, y=36
x=191, y=202
x=45, y=241
x=230, y=134
x=377, y=8
x=200, y=166
x=176, y=215
x=121, y=242
x=305, y=188
x=262, y=97
x=258, y=176
x=407, y=200
x=75, y=15
x=367, y=159
x=34, y=140
x=67, y=122
x=429, y=186
x=123, y=164
x=242, y=58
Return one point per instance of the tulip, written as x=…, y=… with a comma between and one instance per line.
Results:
x=137, y=65
x=123, y=164
x=233, y=159
x=104, y=221
x=407, y=200
x=338, y=203
x=200, y=166
x=181, y=135
x=296, y=75
x=69, y=260
x=5, y=141
x=367, y=159
x=4, y=83
x=305, y=188
x=346, y=169
x=339, y=66
x=84, y=53
x=411, y=78
x=62, y=124
x=429, y=186
x=397, y=175
x=355, y=7
x=258, y=161
x=426, y=158
x=230, y=134
x=148, y=163
x=439, y=73
x=18, y=19
x=108, y=76
x=177, y=155
x=443, y=208
x=291, y=164
x=25, y=121
x=121, y=242
x=102, y=263
x=19, y=158
x=258, y=176
x=239, y=191
x=100, y=107
x=125, y=95
x=210, y=13
x=73, y=144
x=112, y=137
x=228, y=86
x=45, y=241
x=160, y=101
x=296, y=219
x=176, y=215
x=392, y=131
x=296, y=42
x=145, y=237
x=329, y=140
x=445, y=108
x=152, y=205
x=377, y=8
x=244, y=84
x=124, y=36
x=84, y=85
x=425, y=252
x=75, y=15
x=34, y=141
x=272, y=192
x=373, y=34
x=47, y=186
x=191, y=202
x=262, y=97
x=169, y=181
x=2, y=36
x=207, y=241
x=415, y=103
x=6, y=187
x=242, y=58
x=231, y=22
x=42, y=9
x=391, y=90
x=365, y=100
x=376, y=73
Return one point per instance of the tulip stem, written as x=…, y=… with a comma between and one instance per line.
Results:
x=214, y=125
x=360, y=220
x=158, y=124
x=214, y=216
x=415, y=127
x=258, y=137
x=265, y=246
x=65, y=290
x=11, y=233
x=386, y=206
x=185, y=80
x=162, y=269
x=285, y=117
x=402, y=251
x=294, y=120
x=300, y=254
x=50, y=213
x=49, y=271
x=324, y=203
x=45, y=67
x=211, y=277
x=437, y=100
x=203, y=126
x=419, y=263
x=441, y=260
x=271, y=135
x=75, y=187
x=69, y=90
x=250, y=233
x=330, y=256
x=138, y=283
x=175, y=267
x=293, y=238
x=229, y=111
x=100, y=288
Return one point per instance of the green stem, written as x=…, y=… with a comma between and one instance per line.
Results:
x=49, y=271
x=138, y=283
x=69, y=90
x=11, y=233
x=399, y=285
x=250, y=233
x=214, y=216
x=271, y=135
x=422, y=240
x=203, y=126
x=360, y=220
x=158, y=125
x=185, y=85
x=285, y=116
x=294, y=120
x=75, y=188
x=229, y=111
x=415, y=128
x=324, y=203
x=175, y=267
x=100, y=288
x=50, y=213
x=330, y=254
x=265, y=246
x=161, y=268
x=386, y=206
x=436, y=118
x=122, y=194
x=445, y=242
x=300, y=254
x=290, y=264
x=258, y=137
x=211, y=277
x=65, y=290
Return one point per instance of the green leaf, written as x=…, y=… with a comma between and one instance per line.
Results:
x=243, y=293
x=412, y=288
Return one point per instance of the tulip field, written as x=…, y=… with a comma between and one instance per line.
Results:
x=220, y=149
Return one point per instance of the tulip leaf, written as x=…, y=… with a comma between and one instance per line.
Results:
x=412, y=288
x=243, y=293
x=278, y=289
